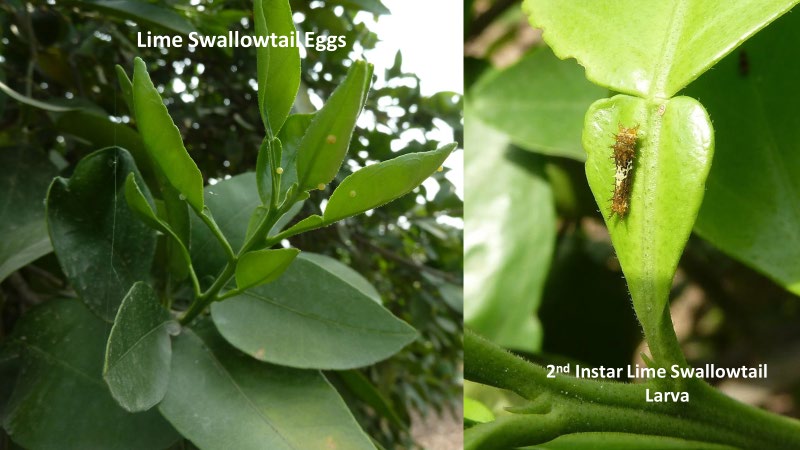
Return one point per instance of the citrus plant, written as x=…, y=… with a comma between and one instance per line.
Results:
x=649, y=192
x=190, y=313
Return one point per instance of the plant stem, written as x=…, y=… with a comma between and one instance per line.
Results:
x=565, y=404
x=205, y=216
x=210, y=296
x=289, y=233
x=200, y=303
x=663, y=342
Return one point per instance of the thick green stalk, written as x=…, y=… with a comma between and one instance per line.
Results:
x=565, y=404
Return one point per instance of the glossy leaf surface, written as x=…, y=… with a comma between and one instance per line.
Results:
x=247, y=404
x=138, y=351
x=142, y=12
x=102, y=247
x=263, y=266
x=755, y=180
x=651, y=50
x=163, y=140
x=176, y=249
x=311, y=318
x=674, y=147
x=23, y=185
x=322, y=149
x=232, y=201
x=346, y=274
x=61, y=402
x=278, y=67
x=509, y=230
x=380, y=183
x=539, y=103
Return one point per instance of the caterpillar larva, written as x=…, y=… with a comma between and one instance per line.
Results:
x=624, y=153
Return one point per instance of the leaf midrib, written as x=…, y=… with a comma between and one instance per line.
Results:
x=325, y=320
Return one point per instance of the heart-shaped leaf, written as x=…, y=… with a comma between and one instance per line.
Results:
x=673, y=152
x=651, y=49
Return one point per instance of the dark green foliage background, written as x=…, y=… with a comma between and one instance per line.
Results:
x=65, y=54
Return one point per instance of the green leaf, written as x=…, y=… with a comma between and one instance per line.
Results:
x=362, y=388
x=325, y=143
x=103, y=249
x=289, y=140
x=263, y=266
x=265, y=172
x=140, y=205
x=651, y=50
x=476, y=412
x=100, y=132
x=373, y=6
x=163, y=140
x=754, y=180
x=145, y=14
x=278, y=67
x=539, y=103
x=346, y=274
x=126, y=86
x=176, y=213
x=32, y=101
x=62, y=401
x=245, y=404
x=674, y=148
x=138, y=352
x=23, y=184
x=325, y=323
x=507, y=247
x=309, y=223
x=383, y=182
x=290, y=136
x=232, y=201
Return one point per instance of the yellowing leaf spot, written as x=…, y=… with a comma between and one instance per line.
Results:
x=321, y=187
x=259, y=354
x=352, y=193
x=331, y=139
x=330, y=443
x=279, y=170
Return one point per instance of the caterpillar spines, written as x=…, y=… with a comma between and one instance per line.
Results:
x=624, y=154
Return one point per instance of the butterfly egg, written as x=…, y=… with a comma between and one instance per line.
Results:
x=279, y=170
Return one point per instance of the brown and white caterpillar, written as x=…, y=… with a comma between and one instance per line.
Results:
x=624, y=155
